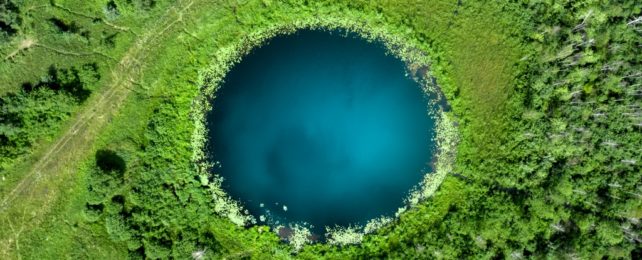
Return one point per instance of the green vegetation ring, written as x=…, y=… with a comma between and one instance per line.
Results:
x=417, y=63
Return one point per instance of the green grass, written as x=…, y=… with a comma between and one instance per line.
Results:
x=521, y=167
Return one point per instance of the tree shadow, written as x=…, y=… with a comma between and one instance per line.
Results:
x=76, y=81
x=110, y=161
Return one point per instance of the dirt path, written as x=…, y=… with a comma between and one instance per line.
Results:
x=27, y=204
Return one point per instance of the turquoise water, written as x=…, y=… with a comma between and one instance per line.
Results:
x=325, y=125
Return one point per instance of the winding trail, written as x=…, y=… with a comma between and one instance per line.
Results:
x=32, y=197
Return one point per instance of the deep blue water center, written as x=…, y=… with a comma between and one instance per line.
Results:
x=326, y=125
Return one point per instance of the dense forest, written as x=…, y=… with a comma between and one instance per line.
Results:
x=98, y=113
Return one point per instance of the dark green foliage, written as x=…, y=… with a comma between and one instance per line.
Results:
x=70, y=27
x=77, y=82
x=37, y=110
x=10, y=20
x=144, y=5
x=111, y=10
x=162, y=210
x=25, y=115
x=107, y=177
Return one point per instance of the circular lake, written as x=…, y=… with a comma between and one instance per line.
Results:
x=321, y=128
